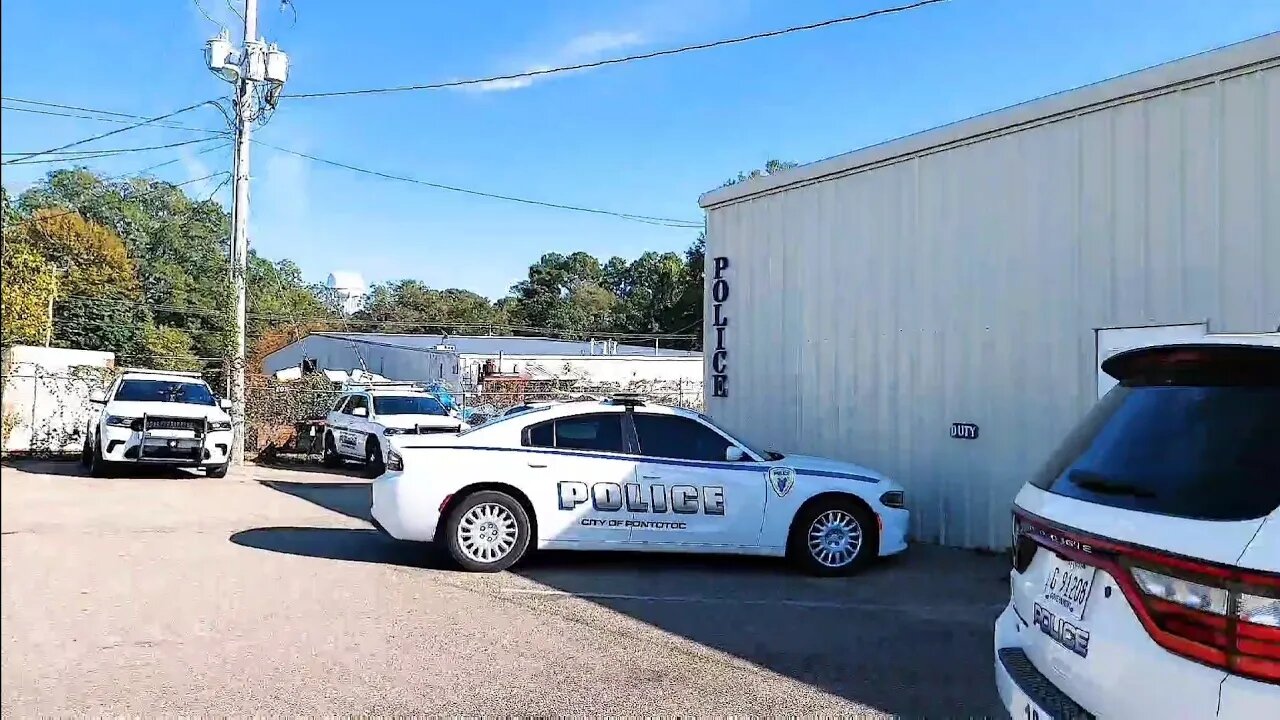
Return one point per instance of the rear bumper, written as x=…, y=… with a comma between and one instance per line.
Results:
x=1019, y=682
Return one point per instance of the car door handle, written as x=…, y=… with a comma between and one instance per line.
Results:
x=651, y=477
x=537, y=465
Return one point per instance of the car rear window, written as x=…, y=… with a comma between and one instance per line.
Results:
x=1201, y=442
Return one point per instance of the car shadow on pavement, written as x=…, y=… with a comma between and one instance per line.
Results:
x=353, y=544
x=68, y=466
x=352, y=499
x=910, y=636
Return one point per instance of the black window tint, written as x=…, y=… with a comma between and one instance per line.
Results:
x=164, y=391
x=671, y=436
x=590, y=432
x=1195, y=451
x=542, y=435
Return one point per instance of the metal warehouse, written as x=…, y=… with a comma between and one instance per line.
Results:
x=937, y=307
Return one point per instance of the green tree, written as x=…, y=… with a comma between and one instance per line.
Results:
x=26, y=286
x=277, y=295
x=169, y=349
x=412, y=306
x=97, y=290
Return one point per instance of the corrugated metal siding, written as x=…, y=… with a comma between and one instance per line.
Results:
x=869, y=311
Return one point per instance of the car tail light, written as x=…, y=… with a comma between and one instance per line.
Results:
x=1218, y=615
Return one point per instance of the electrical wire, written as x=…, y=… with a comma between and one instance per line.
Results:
x=93, y=155
x=139, y=195
x=649, y=219
x=115, y=132
x=205, y=14
x=181, y=310
x=620, y=60
x=173, y=126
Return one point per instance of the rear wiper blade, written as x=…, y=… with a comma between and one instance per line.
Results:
x=1100, y=484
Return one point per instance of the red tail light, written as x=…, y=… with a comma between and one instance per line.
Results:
x=1218, y=615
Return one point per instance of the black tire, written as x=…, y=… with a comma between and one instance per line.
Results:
x=507, y=508
x=217, y=471
x=374, y=465
x=99, y=467
x=817, y=558
x=330, y=458
x=86, y=454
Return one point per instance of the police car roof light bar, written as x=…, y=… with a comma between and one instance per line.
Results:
x=153, y=371
x=627, y=399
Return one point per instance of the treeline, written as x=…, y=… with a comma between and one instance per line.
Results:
x=139, y=268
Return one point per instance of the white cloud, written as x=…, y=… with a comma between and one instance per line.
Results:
x=583, y=48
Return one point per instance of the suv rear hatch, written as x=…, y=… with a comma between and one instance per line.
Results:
x=1136, y=531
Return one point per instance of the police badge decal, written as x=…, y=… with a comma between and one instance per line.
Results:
x=782, y=479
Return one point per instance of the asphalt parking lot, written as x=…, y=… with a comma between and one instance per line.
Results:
x=267, y=591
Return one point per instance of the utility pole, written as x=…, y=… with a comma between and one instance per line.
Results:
x=255, y=63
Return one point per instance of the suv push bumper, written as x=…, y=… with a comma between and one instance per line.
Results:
x=119, y=444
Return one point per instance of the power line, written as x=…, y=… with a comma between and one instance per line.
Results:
x=139, y=195
x=116, y=131
x=173, y=126
x=647, y=219
x=93, y=155
x=626, y=59
x=652, y=220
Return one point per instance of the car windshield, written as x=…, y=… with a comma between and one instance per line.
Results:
x=165, y=391
x=408, y=405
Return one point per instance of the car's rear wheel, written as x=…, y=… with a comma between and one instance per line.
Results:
x=86, y=453
x=330, y=458
x=374, y=465
x=833, y=537
x=487, y=531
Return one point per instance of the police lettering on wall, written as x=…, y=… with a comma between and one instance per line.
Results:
x=719, y=322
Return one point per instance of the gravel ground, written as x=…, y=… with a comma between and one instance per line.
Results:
x=268, y=592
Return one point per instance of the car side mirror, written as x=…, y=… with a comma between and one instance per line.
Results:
x=225, y=404
x=360, y=412
x=99, y=397
x=734, y=453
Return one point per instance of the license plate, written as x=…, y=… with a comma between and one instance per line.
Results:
x=1067, y=584
x=175, y=434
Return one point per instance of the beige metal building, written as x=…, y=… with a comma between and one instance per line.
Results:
x=936, y=307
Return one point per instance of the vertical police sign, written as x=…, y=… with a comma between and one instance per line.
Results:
x=720, y=357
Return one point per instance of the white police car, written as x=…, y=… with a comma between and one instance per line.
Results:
x=367, y=418
x=1146, y=552
x=158, y=417
x=620, y=474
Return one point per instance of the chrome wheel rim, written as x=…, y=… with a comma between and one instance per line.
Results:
x=487, y=533
x=835, y=537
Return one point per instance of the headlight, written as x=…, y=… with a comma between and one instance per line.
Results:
x=219, y=425
x=119, y=421
x=395, y=463
x=391, y=431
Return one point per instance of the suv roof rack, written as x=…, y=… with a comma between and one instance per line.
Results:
x=627, y=399
x=384, y=385
x=153, y=371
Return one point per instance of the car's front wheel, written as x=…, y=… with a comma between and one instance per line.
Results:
x=98, y=466
x=833, y=536
x=374, y=465
x=217, y=471
x=487, y=531
x=331, y=458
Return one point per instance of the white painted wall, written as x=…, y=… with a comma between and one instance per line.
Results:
x=961, y=275
x=47, y=391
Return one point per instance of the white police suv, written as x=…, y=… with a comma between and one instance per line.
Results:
x=621, y=474
x=158, y=418
x=366, y=419
x=1146, y=553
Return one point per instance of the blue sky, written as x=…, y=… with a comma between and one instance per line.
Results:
x=646, y=137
